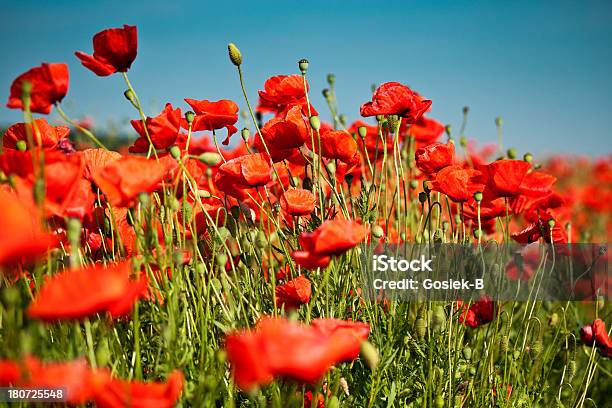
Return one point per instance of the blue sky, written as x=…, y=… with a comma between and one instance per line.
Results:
x=545, y=67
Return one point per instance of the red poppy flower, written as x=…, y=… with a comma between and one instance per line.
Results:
x=49, y=85
x=435, y=157
x=297, y=202
x=457, y=182
x=504, y=177
x=294, y=293
x=95, y=159
x=114, y=51
x=79, y=293
x=282, y=91
x=21, y=235
x=393, y=98
x=333, y=237
x=42, y=131
x=537, y=184
x=540, y=229
x=213, y=115
x=335, y=144
x=426, y=130
x=279, y=347
x=117, y=393
x=74, y=376
x=163, y=130
x=596, y=333
x=283, y=134
x=479, y=313
x=247, y=171
x=122, y=180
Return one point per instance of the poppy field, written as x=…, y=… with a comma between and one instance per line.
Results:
x=214, y=258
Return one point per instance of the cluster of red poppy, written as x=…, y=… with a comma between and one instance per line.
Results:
x=46, y=183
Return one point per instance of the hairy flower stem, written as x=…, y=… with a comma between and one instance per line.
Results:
x=86, y=132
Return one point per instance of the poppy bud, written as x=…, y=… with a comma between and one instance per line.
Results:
x=203, y=193
x=478, y=196
x=377, y=231
x=326, y=93
x=373, y=87
x=528, y=157
x=189, y=116
x=187, y=210
x=234, y=54
x=331, y=167
x=438, y=318
x=210, y=158
x=477, y=233
x=420, y=327
x=467, y=353
x=221, y=260
x=511, y=153
x=342, y=119
x=447, y=129
x=380, y=118
x=245, y=133
x=369, y=354
x=21, y=145
x=129, y=95
x=551, y=223
x=553, y=319
x=362, y=131
x=349, y=178
x=175, y=152
x=392, y=121
x=422, y=197
x=426, y=187
x=331, y=79
x=413, y=184
x=498, y=121
x=439, y=401
x=303, y=65
x=315, y=123
x=463, y=141
x=260, y=239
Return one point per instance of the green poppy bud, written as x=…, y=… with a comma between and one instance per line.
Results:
x=234, y=54
x=422, y=197
x=315, y=123
x=130, y=96
x=245, y=133
x=221, y=259
x=439, y=401
x=21, y=146
x=342, y=119
x=210, y=158
x=175, y=152
x=326, y=94
x=303, y=65
x=362, y=131
x=377, y=231
x=413, y=184
x=553, y=320
x=498, y=121
x=369, y=354
x=477, y=233
x=189, y=116
x=331, y=79
x=463, y=141
x=551, y=223
x=511, y=153
x=467, y=353
x=528, y=157
x=203, y=193
x=466, y=110
x=447, y=130
x=478, y=196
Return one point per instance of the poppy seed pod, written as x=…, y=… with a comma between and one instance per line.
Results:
x=221, y=260
x=21, y=145
x=498, y=121
x=342, y=119
x=175, y=152
x=315, y=123
x=477, y=233
x=420, y=327
x=331, y=79
x=130, y=96
x=551, y=223
x=325, y=93
x=422, y=197
x=189, y=116
x=413, y=184
x=511, y=153
x=234, y=54
x=463, y=141
x=478, y=196
x=210, y=158
x=467, y=353
x=377, y=231
x=362, y=131
x=303, y=65
x=528, y=157
x=349, y=179
x=245, y=133
x=369, y=354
